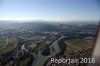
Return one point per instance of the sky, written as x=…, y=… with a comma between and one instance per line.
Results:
x=51, y=10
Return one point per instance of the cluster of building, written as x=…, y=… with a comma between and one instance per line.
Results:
x=45, y=39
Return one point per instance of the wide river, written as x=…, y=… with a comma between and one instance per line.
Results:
x=41, y=59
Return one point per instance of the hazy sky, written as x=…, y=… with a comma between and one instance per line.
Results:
x=53, y=10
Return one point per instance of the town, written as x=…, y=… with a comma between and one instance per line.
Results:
x=28, y=44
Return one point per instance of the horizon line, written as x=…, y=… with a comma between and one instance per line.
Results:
x=49, y=20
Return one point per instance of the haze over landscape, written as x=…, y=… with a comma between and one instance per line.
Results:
x=32, y=32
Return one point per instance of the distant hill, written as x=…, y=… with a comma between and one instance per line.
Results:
x=40, y=25
x=29, y=26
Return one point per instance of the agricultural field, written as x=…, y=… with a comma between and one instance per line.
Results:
x=35, y=38
x=6, y=45
x=77, y=41
x=2, y=42
x=76, y=45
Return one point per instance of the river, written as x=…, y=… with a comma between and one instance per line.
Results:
x=41, y=59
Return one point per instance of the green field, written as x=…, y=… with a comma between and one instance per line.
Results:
x=24, y=61
x=35, y=38
x=4, y=47
x=42, y=46
x=2, y=42
x=77, y=41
